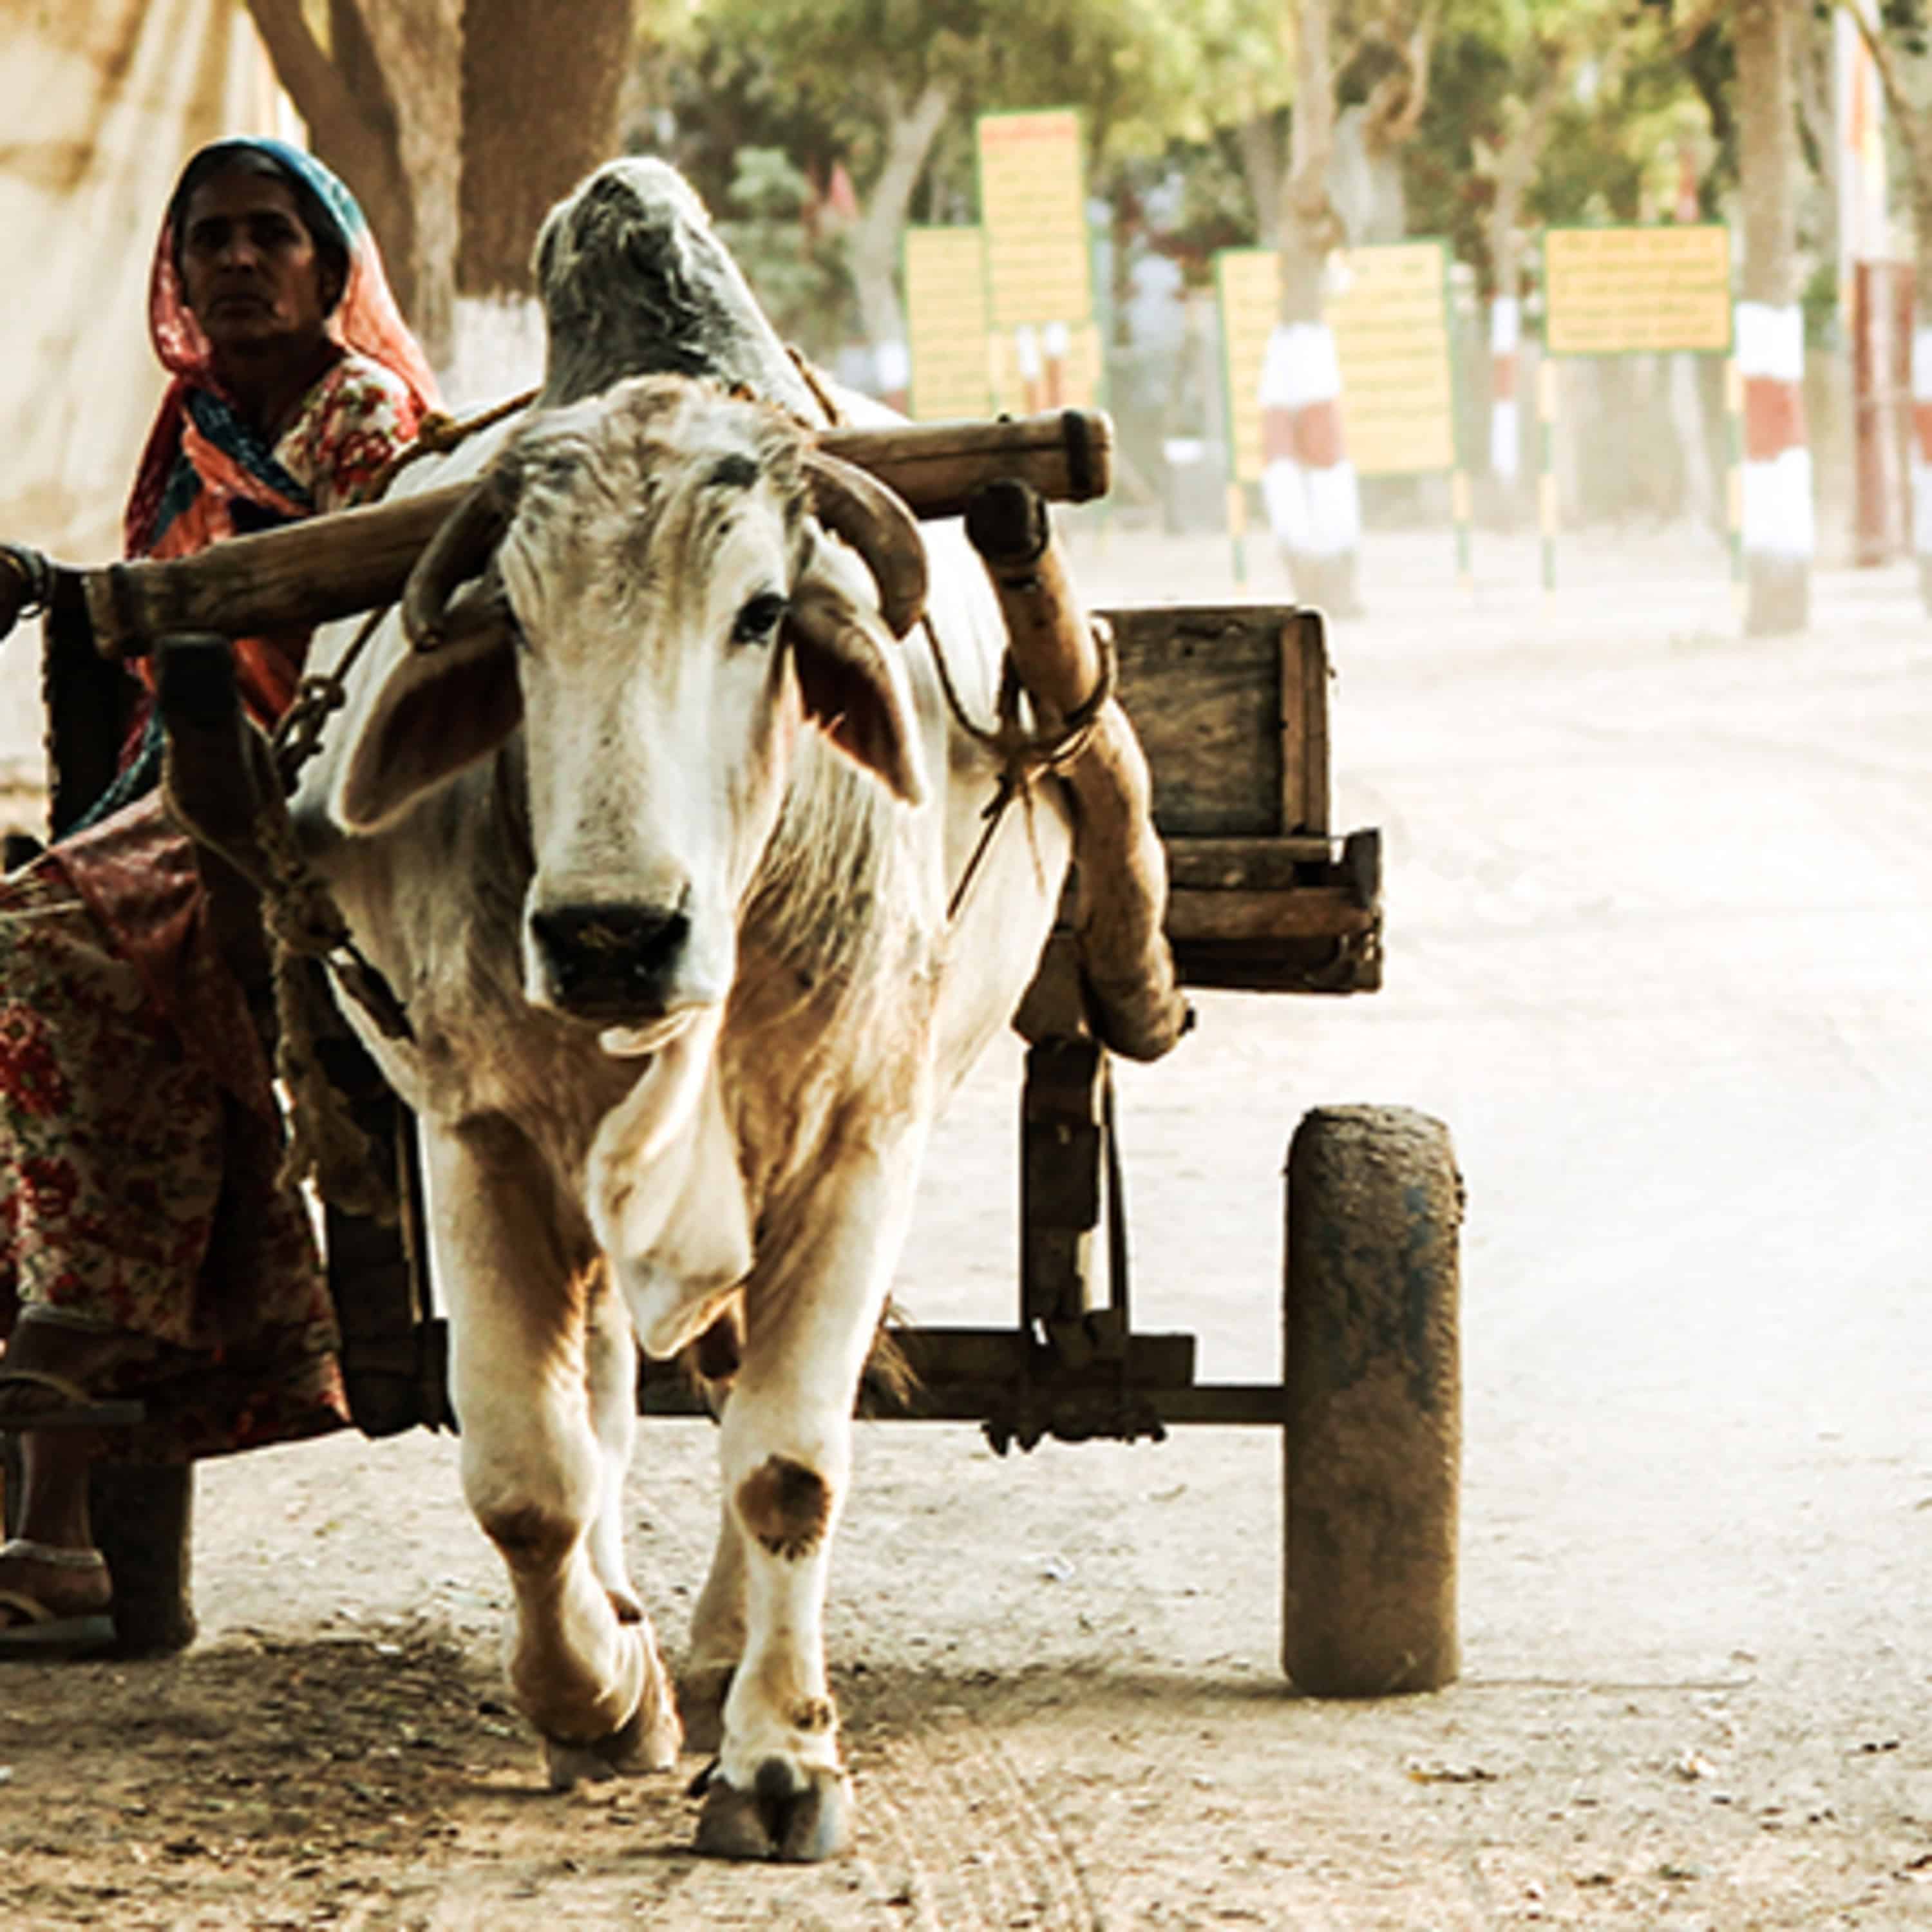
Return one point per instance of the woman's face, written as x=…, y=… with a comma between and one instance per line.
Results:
x=249, y=267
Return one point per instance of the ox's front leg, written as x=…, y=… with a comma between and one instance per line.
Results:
x=535, y=1343
x=610, y=1377
x=779, y=1789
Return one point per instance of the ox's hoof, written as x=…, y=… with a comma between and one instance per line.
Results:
x=700, y=1705
x=648, y=1742
x=799, y=1815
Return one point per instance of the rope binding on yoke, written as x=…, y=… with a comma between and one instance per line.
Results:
x=1021, y=755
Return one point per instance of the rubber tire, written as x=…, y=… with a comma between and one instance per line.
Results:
x=143, y=1520
x=1372, y=1441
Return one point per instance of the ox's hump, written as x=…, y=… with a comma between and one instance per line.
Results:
x=635, y=282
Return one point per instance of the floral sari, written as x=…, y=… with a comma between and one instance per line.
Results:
x=140, y=1135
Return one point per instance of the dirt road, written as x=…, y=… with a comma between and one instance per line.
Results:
x=1661, y=903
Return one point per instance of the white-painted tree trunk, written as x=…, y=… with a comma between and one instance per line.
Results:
x=1309, y=485
x=1921, y=455
x=1505, y=414
x=1780, y=533
x=911, y=130
x=1779, y=524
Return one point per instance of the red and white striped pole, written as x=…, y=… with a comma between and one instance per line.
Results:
x=1779, y=525
x=1505, y=423
x=1056, y=341
x=1314, y=503
x=892, y=363
x=1922, y=457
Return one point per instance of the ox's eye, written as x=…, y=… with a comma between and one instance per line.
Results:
x=758, y=619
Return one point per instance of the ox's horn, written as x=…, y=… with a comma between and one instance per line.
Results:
x=876, y=522
x=460, y=549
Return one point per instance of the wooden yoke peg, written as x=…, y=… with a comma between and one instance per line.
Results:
x=1064, y=667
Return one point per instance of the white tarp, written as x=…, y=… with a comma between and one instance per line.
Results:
x=105, y=99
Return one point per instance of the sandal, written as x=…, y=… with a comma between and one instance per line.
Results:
x=44, y=1635
x=77, y=1408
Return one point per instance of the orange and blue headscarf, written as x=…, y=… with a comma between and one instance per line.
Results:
x=205, y=474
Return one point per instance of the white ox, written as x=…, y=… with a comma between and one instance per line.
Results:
x=684, y=994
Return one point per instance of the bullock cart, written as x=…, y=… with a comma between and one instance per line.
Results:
x=1264, y=897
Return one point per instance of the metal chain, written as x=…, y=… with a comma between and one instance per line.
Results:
x=320, y=694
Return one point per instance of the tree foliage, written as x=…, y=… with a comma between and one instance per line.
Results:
x=456, y=122
x=1901, y=47
x=1174, y=94
x=1614, y=149
x=768, y=220
x=1142, y=72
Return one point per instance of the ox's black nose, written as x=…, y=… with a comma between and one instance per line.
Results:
x=611, y=963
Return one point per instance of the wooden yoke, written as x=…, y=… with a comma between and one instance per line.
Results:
x=334, y=566
x=1121, y=899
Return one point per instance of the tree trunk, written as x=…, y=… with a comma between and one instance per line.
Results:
x=541, y=87
x=1913, y=124
x=1313, y=502
x=1516, y=169
x=1306, y=228
x=410, y=52
x=340, y=92
x=1395, y=103
x=1812, y=41
x=1778, y=515
x=400, y=167
x=1261, y=163
x=910, y=133
x=1919, y=140
x=1506, y=334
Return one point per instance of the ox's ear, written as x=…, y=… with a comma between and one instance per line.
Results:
x=853, y=678
x=435, y=712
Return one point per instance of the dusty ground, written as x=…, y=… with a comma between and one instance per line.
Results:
x=1658, y=921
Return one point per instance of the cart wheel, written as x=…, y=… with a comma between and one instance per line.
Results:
x=1373, y=1436
x=142, y=1517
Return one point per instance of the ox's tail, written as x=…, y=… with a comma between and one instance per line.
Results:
x=889, y=1381
x=886, y=1386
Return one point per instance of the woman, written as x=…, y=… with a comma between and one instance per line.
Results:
x=146, y=1248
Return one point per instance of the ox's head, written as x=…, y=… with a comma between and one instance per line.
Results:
x=660, y=606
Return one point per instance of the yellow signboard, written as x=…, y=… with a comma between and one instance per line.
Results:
x=1032, y=204
x=1609, y=290
x=1391, y=327
x=945, y=323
